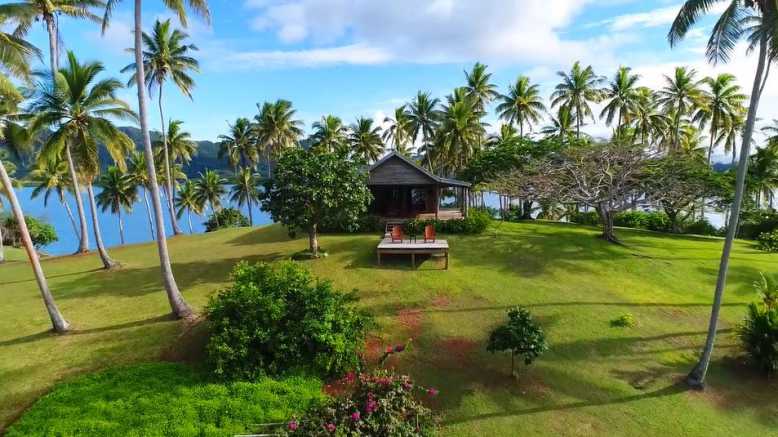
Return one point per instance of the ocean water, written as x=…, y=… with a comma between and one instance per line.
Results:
x=136, y=223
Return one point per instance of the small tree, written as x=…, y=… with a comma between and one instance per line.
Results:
x=309, y=187
x=521, y=336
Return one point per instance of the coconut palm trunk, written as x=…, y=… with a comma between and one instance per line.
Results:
x=189, y=218
x=696, y=377
x=57, y=321
x=171, y=194
x=175, y=298
x=51, y=28
x=148, y=212
x=108, y=263
x=83, y=244
x=251, y=216
x=121, y=226
x=69, y=212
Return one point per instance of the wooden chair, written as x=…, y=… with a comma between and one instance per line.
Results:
x=397, y=233
x=429, y=233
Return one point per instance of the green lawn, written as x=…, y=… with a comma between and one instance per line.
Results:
x=596, y=379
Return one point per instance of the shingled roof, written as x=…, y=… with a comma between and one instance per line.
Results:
x=404, y=179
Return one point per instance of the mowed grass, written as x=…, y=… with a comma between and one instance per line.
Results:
x=595, y=380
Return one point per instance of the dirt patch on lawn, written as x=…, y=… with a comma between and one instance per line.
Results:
x=441, y=301
x=410, y=320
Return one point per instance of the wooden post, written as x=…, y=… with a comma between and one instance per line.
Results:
x=466, y=194
x=413, y=260
x=437, y=201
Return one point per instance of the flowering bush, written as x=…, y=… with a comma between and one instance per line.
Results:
x=380, y=404
x=768, y=241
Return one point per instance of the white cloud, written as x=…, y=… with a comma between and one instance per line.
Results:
x=439, y=31
x=351, y=54
x=662, y=16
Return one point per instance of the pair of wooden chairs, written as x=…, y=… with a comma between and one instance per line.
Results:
x=397, y=233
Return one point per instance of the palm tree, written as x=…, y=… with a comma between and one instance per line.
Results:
x=51, y=176
x=244, y=190
x=209, y=189
x=622, y=98
x=763, y=176
x=276, y=129
x=166, y=57
x=27, y=12
x=648, y=121
x=424, y=117
x=329, y=134
x=522, y=105
x=79, y=109
x=561, y=127
x=479, y=88
x=771, y=132
x=680, y=97
x=175, y=298
x=136, y=170
x=118, y=192
x=14, y=54
x=460, y=133
x=730, y=132
x=365, y=139
x=186, y=201
x=399, y=132
x=577, y=90
x=721, y=102
x=761, y=19
x=239, y=146
x=181, y=147
x=507, y=134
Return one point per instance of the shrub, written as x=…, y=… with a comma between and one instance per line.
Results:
x=521, y=336
x=759, y=334
x=755, y=223
x=767, y=288
x=700, y=227
x=226, y=218
x=163, y=399
x=476, y=222
x=768, y=241
x=626, y=320
x=652, y=220
x=275, y=319
x=41, y=233
x=589, y=218
x=380, y=404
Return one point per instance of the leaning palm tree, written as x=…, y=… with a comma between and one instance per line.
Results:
x=365, y=140
x=479, y=86
x=119, y=192
x=424, y=116
x=522, y=105
x=578, y=89
x=13, y=58
x=680, y=97
x=244, y=191
x=720, y=103
x=239, y=145
x=51, y=177
x=276, y=128
x=209, y=189
x=329, y=135
x=166, y=57
x=136, y=170
x=187, y=201
x=175, y=298
x=757, y=20
x=622, y=98
x=79, y=109
x=399, y=130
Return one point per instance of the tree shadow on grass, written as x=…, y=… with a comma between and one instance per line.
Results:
x=263, y=235
x=49, y=277
x=131, y=282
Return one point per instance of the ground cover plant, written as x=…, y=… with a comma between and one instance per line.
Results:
x=594, y=378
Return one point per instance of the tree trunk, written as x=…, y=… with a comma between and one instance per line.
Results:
x=121, y=227
x=148, y=212
x=168, y=170
x=69, y=211
x=189, y=218
x=526, y=209
x=51, y=29
x=313, y=241
x=696, y=377
x=606, y=217
x=57, y=321
x=251, y=216
x=108, y=263
x=176, y=300
x=83, y=245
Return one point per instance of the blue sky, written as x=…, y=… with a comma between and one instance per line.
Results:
x=364, y=57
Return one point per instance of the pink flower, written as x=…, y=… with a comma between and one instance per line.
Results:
x=407, y=385
x=350, y=377
x=399, y=348
x=371, y=406
x=432, y=392
x=389, y=349
x=331, y=427
x=355, y=416
x=293, y=425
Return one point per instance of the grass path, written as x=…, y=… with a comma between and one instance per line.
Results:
x=595, y=379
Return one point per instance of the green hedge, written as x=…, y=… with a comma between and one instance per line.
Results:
x=755, y=223
x=653, y=221
x=164, y=399
x=226, y=218
x=475, y=223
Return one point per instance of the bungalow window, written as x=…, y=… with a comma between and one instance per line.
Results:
x=419, y=199
x=449, y=198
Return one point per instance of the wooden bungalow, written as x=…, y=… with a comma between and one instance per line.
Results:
x=403, y=190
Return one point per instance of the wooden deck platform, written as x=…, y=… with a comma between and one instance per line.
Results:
x=412, y=248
